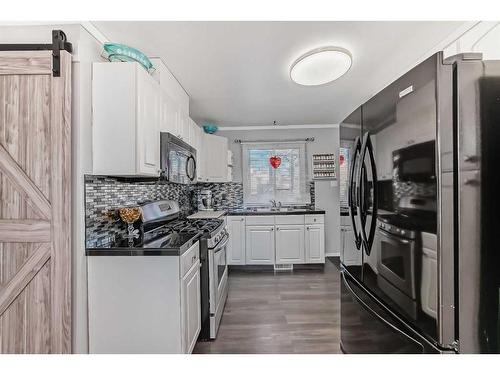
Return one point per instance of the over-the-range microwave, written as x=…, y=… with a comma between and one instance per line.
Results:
x=177, y=160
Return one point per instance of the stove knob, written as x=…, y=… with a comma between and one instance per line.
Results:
x=402, y=232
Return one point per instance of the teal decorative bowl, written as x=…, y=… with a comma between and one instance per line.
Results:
x=123, y=53
x=210, y=128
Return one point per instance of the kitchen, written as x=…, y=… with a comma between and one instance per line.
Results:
x=227, y=205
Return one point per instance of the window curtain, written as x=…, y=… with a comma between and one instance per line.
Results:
x=286, y=184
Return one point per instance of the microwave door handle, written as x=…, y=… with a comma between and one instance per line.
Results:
x=353, y=201
x=368, y=239
x=190, y=157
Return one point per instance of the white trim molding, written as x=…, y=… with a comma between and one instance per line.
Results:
x=94, y=31
x=278, y=127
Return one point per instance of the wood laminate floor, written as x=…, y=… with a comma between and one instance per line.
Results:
x=285, y=312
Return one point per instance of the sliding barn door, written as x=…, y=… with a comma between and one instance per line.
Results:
x=35, y=177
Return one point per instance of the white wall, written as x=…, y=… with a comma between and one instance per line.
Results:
x=327, y=196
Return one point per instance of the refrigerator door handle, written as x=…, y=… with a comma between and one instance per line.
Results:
x=353, y=201
x=368, y=239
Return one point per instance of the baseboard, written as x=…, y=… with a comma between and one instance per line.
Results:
x=337, y=254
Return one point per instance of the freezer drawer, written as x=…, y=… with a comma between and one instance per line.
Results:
x=369, y=328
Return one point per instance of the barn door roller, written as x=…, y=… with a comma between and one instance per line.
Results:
x=59, y=43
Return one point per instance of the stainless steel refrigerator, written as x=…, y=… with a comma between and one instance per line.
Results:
x=421, y=271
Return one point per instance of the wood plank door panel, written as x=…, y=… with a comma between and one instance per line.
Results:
x=35, y=178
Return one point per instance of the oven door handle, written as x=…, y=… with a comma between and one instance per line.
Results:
x=393, y=237
x=220, y=245
x=368, y=239
x=352, y=201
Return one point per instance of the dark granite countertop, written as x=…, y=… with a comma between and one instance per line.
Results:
x=298, y=211
x=137, y=249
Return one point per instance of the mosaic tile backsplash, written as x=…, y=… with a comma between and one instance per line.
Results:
x=226, y=196
x=105, y=195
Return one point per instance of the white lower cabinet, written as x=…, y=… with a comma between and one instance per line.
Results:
x=315, y=243
x=236, y=245
x=350, y=255
x=279, y=239
x=259, y=247
x=155, y=308
x=191, y=308
x=290, y=244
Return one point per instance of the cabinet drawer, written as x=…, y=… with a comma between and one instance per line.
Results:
x=315, y=219
x=290, y=219
x=230, y=219
x=260, y=220
x=189, y=258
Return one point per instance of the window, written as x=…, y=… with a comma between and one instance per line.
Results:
x=286, y=184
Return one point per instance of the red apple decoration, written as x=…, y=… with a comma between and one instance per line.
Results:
x=275, y=161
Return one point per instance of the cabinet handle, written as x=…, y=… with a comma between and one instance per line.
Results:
x=272, y=229
x=242, y=219
x=307, y=228
x=278, y=228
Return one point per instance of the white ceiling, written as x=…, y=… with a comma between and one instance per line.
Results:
x=237, y=73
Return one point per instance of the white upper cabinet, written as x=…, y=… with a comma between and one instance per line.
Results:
x=215, y=158
x=184, y=122
x=193, y=133
x=168, y=119
x=126, y=120
x=148, y=111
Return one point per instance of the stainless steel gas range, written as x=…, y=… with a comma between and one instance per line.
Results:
x=214, y=274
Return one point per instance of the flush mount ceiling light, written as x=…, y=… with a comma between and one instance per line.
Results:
x=320, y=66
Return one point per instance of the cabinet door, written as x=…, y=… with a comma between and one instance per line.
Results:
x=192, y=136
x=290, y=244
x=351, y=255
x=259, y=247
x=167, y=114
x=201, y=159
x=148, y=121
x=191, y=308
x=236, y=244
x=315, y=243
x=216, y=158
x=183, y=126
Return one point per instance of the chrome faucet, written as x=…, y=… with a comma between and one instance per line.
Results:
x=273, y=203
